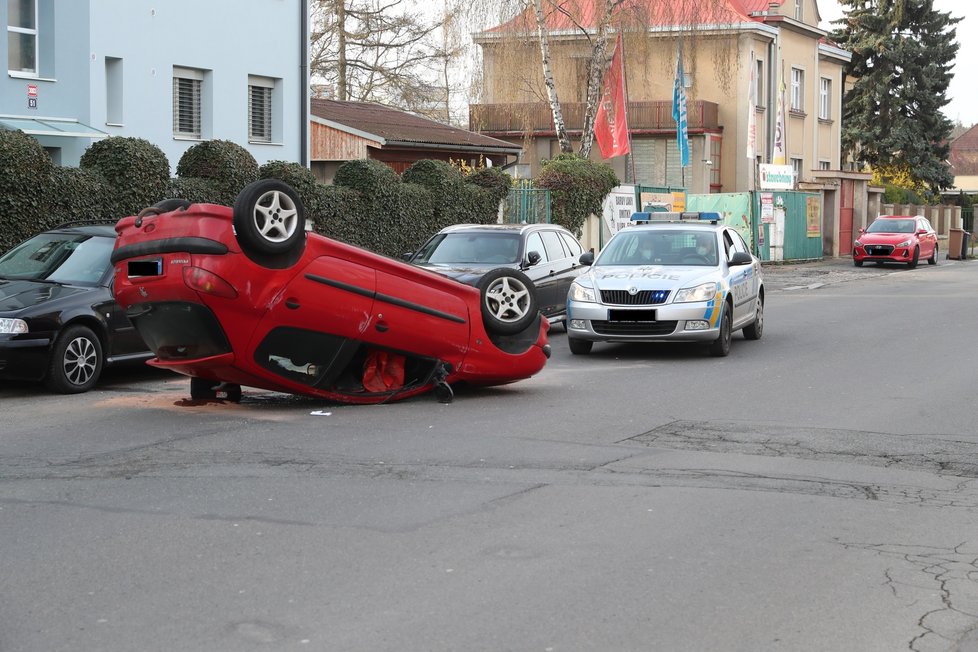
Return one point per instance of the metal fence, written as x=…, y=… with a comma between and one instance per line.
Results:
x=525, y=204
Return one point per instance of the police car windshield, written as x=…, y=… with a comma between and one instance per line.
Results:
x=667, y=247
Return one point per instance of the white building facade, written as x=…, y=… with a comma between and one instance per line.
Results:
x=172, y=72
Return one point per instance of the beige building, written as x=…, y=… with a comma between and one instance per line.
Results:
x=722, y=42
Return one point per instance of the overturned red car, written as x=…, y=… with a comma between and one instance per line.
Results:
x=246, y=295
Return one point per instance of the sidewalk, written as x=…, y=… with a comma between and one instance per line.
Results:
x=815, y=274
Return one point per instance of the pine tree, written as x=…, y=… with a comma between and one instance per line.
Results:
x=902, y=55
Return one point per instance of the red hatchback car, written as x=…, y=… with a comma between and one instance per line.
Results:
x=896, y=239
x=245, y=296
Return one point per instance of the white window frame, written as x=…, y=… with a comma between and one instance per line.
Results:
x=260, y=89
x=796, y=165
x=825, y=98
x=799, y=7
x=14, y=33
x=180, y=102
x=759, y=85
x=797, y=89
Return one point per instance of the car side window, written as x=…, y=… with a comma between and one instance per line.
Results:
x=738, y=242
x=728, y=245
x=534, y=243
x=551, y=242
x=573, y=246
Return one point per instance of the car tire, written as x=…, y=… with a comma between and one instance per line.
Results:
x=578, y=346
x=916, y=257
x=933, y=258
x=857, y=263
x=269, y=218
x=720, y=347
x=76, y=361
x=508, y=300
x=755, y=329
x=203, y=389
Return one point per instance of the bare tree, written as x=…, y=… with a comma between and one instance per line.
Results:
x=378, y=50
x=590, y=26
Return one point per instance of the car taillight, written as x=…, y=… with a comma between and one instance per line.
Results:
x=208, y=282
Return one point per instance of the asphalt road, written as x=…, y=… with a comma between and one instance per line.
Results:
x=815, y=490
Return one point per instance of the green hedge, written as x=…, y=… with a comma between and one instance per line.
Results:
x=577, y=187
x=369, y=205
x=25, y=178
x=228, y=165
x=135, y=172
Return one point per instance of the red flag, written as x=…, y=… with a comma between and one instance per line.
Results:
x=610, y=125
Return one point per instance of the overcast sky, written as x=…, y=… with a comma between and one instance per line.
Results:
x=962, y=94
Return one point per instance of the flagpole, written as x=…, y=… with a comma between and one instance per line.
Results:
x=624, y=84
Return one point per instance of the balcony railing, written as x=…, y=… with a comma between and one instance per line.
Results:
x=517, y=119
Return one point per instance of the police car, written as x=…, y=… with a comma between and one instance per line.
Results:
x=677, y=277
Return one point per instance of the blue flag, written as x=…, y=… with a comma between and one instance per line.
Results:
x=679, y=111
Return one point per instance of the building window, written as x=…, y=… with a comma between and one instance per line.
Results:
x=825, y=99
x=260, y=109
x=22, y=37
x=798, y=10
x=113, y=91
x=796, y=168
x=824, y=165
x=187, y=85
x=759, y=85
x=797, y=89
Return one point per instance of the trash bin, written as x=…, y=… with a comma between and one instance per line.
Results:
x=956, y=244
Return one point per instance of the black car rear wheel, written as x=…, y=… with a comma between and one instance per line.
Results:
x=76, y=361
x=509, y=303
x=269, y=218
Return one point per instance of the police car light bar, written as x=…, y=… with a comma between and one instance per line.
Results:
x=685, y=216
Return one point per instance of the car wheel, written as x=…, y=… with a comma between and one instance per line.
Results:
x=721, y=345
x=579, y=347
x=508, y=301
x=76, y=361
x=916, y=257
x=203, y=389
x=857, y=263
x=754, y=330
x=933, y=258
x=269, y=218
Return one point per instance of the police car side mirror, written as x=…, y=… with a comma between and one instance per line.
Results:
x=587, y=258
x=741, y=258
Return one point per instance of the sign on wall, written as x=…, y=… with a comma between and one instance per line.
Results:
x=32, y=96
x=618, y=208
x=776, y=177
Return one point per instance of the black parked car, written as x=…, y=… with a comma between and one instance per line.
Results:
x=58, y=321
x=523, y=267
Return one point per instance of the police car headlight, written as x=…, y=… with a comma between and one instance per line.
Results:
x=905, y=243
x=13, y=326
x=703, y=292
x=579, y=292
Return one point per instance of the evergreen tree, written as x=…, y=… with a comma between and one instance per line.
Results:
x=902, y=55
